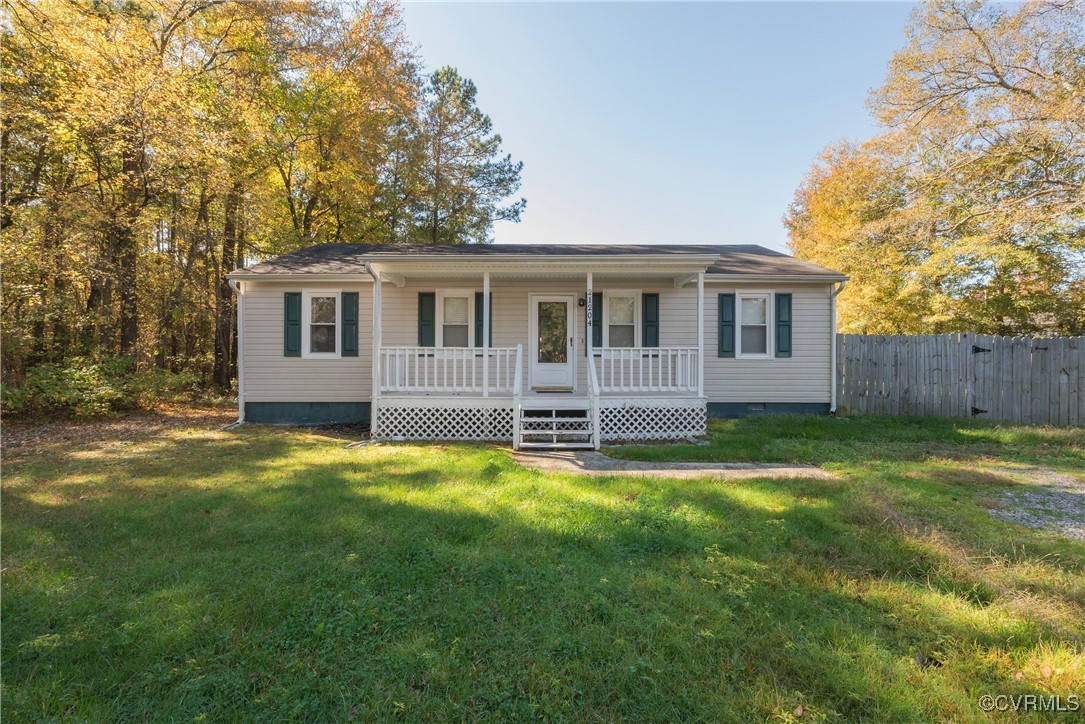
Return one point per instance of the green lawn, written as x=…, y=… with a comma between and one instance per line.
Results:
x=275, y=574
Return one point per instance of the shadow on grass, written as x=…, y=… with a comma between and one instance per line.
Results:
x=274, y=574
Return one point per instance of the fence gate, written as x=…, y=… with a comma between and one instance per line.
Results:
x=1016, y=379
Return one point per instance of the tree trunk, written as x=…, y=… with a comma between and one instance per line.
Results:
x=224, y=306
x=39, y=351
x=125, y=242
x=93, y=332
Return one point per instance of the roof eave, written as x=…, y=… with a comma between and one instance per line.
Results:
x=244, y=276
x=706, y=259
x=775, y=278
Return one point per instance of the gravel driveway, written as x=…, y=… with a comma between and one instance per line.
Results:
x=1045, y=499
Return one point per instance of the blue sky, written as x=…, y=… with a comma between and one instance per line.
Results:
x=658, y=123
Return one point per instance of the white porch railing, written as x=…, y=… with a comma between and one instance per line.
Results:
x=443, y=370
x=647, y=369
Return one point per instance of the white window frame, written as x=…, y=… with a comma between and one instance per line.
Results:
x=442, y=294
x=637, y=305
x=306, y=316
x=770, y=313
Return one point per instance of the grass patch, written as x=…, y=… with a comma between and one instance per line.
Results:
x=858, y=439
x=272, y=573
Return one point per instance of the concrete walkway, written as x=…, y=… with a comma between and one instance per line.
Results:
x=589, y=462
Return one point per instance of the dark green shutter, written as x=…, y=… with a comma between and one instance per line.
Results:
x=292, y=324
x=427, y=319
x=727, y=326
x=783, y=325
x=349, y=331
x=596, y=320
x=478, y=319
x=649, y=320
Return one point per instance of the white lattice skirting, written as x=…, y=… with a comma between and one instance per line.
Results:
x=652, y=420
x=441, y=422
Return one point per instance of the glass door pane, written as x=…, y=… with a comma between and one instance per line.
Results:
x=553, y=332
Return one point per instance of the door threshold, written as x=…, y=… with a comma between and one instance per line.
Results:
x=559, y=390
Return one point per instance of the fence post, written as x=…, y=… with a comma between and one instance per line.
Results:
x=1075, y=369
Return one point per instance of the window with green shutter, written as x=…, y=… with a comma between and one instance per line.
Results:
x=726, y=344
x=349, y=329
x=754, y=324
x=649, y=320
x=292, y=324
x=596, y=321
x=427, y=319
x=783, y=325
x=479, y=341
x=321, y=323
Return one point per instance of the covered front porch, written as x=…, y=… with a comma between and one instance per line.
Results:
x=549, y=356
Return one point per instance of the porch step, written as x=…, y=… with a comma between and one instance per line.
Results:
x=554, y=405
x=567, y=424
x=549, y=420
x=543, y=438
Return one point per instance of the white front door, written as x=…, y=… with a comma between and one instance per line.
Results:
x=553, y=355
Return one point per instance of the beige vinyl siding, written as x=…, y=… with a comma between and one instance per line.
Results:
x=272, y=377
x=677, y=327
x=803, y=377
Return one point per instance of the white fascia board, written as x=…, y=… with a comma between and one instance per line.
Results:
x=793, y=278
x=272, y=277
x=690, y=259
x=663, y=265
x=396, y=266
x=543, y=269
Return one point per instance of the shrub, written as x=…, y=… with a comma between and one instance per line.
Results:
x=88, y=388
x=150, y=387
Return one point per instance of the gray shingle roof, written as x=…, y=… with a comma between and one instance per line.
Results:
x=350, y=258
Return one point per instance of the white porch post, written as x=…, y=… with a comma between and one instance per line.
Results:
x=240, y=351
x=485, y=334
x=700, y=334
x=376, y=384
x=588, y=320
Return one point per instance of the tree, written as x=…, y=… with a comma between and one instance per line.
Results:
x=984, y=111
x=150, y=147
x=331, y=120
x=849, y=215
x=464, y=177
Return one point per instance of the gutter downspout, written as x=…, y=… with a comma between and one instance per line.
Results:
x=832, y=354
x=375, y=365
x=240, y=292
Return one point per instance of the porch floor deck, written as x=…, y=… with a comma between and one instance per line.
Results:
x=558, y=398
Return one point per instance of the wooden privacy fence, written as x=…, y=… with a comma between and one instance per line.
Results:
x=1016, y=379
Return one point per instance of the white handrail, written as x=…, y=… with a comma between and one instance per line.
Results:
x=448, y=369
x=517, y=395
x=647, y=369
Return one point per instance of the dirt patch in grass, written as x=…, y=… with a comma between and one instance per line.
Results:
x=590, y=462
x=24, y=438
x=971, y=476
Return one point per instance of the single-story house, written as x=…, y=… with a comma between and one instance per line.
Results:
x=537, y=345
